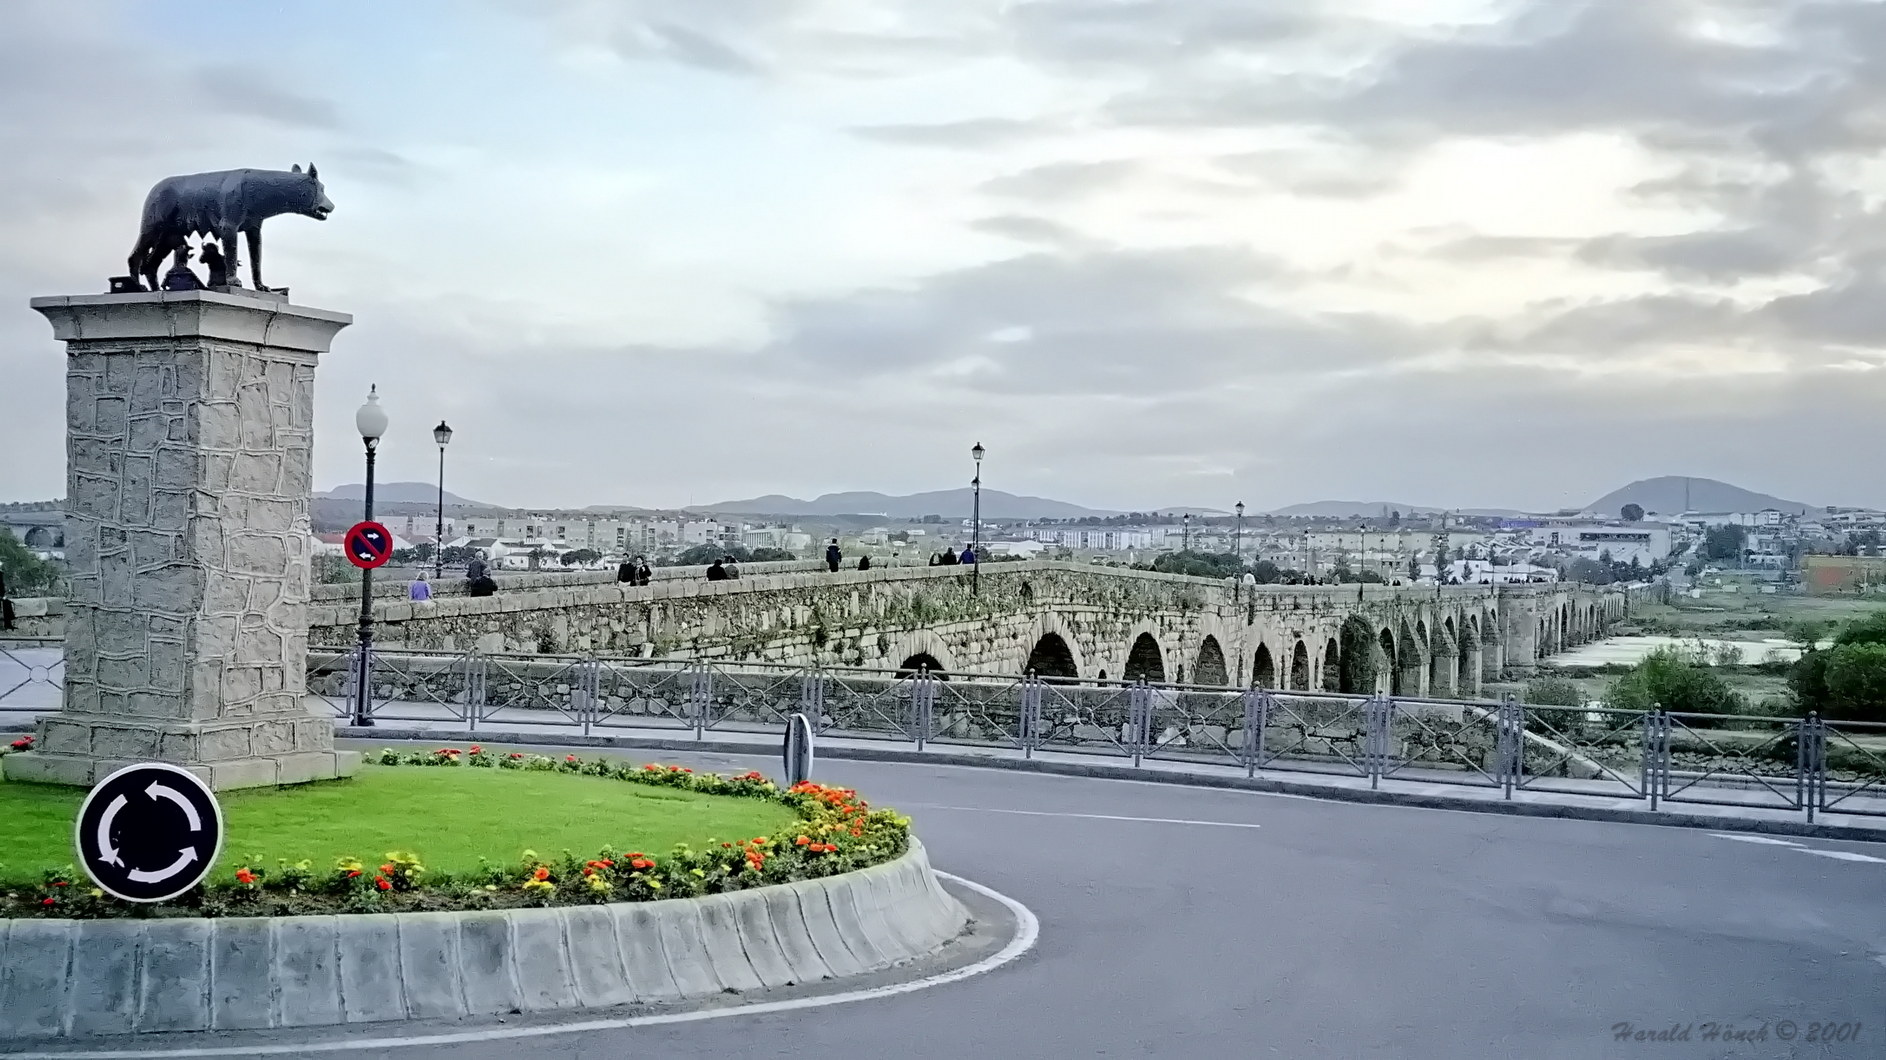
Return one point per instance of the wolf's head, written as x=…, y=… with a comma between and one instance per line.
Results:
x=314, y=201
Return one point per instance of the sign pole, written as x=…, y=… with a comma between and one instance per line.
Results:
x=798, y=750
x=363, y=712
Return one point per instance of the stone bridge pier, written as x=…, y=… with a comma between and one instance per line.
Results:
x=1062, y=620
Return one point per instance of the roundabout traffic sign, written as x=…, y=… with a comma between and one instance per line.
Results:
x=149, y=832
x=369, y=545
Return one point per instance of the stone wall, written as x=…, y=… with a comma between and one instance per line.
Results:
x=38, y=616
x=453, y=584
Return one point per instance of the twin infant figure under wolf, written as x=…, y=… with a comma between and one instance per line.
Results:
x=217, y=206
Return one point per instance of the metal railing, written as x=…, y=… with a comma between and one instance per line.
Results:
x=1807, y=765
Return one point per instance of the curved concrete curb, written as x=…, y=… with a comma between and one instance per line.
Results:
x=85, y=977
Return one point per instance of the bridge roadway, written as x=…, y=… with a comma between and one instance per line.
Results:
x=1183, y=922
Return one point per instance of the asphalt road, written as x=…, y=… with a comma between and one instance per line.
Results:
x=1185, y=922
x=1334, y=930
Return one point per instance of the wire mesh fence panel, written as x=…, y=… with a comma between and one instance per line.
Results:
x=1853, y=774
x=1087, y=718
x=1196, y=725
x=753, y=699
x=977, y=712
x=1729, y=760
x=32, y=676
x=1325, y=733
x=869, y=705
x=331, y=678
x=646, y=693
x=438, y=687
x=1582, y=751
x=1445, y=742
x=539, y=690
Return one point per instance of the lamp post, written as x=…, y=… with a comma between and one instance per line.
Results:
x=1185, y=532
x=441, y=434
x=1363, y=530
x=371, y=422
x=975, y=518
x=1237, y=535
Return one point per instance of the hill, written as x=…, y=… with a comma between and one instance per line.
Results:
x=952, y=504
x=1674, y=494
x=400, y=493
x=1373, y=509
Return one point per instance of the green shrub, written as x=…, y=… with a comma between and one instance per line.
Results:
x=1669, y=679
x=1554, y=691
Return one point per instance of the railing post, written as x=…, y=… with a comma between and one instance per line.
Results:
x=476, y=666
x=1031, y=714
x=1377, y=713
x=1256, y=713
x=923, y=696
x=1656, y=750
x=1512, y=721
x=1139, y=718
x=1810, y=755
x=583, y=692
x=700, y=694
x=812, y=696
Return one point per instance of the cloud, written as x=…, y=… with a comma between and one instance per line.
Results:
x=1059, y=181
x=968, y=134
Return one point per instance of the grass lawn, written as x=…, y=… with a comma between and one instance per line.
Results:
x=450, y=817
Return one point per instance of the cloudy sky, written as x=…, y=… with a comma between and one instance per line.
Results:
x=1148, y=252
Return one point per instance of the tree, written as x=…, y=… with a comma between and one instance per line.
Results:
x=1198, y=564
x=1632, y=513
x=26, y=573
x=578, y=557
x=459, y=554
x=1666, y=678
x=769, y=555
x=1394, y=519
x=1554, y=692
x=1725, y=542
x=1414, y=566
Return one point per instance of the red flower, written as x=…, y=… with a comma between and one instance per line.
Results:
x=59, y=883
x=541, y=873
x=48, y=901
x=641, y=863
x=389, y=868
x=687, y=771
x=569, y=758
x=674, y=769
x=477, y=750
x=726, y=844
x=517, y=754
x=589, y=870
x=244, y=876
x=380, y=882
x=351, y=873
x=802, y=841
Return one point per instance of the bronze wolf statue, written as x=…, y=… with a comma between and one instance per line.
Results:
x=218, y=205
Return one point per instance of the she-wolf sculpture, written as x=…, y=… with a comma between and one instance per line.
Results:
x=218, y=205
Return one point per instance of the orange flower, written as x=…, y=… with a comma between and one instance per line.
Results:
x=641, y=863
x=389, y=868
x=541, y=873
x=726, y=844
x=243, y=875
x=802, y=841
x=380, y=882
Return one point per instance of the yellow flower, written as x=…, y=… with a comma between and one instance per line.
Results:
x=96, y=893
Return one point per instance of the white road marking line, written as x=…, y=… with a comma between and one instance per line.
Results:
x=1767, y=840
x=1843, y=855
x=1029, y=931
x=1089, y=816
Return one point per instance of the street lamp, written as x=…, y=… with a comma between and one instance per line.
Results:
x=1185, y=532
x=975, y=517
x=1237, y=536
x=441, y=434
x=1363, y=530
x=371, y=422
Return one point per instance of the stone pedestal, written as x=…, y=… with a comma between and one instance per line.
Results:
x=189, y=427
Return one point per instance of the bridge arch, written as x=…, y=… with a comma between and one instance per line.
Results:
x=1051, y=657
x=1050, y=627
x=1145, y=659
x=1263, y=668
x=1209, y=668
x=920, y=647
x=1300, y=667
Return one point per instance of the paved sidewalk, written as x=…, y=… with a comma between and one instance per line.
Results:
x=1754, y=808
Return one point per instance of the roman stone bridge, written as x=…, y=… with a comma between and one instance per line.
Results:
x=1056, y=619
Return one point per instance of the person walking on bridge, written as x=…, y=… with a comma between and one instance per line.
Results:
x=716, y=572
x=832, y=556
x=864, y=562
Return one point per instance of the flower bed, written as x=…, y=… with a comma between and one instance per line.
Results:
x=835, y=832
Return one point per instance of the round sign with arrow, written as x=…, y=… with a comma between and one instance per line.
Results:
x=150, y=832
x=368, y=545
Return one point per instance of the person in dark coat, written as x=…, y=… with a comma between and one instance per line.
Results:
x=936, y=559
x=832, y=556
x=642, y=573
x=716, y=572
x=949, y=557
x=482, y=586
x=864, y=562
x=626, y=572
x=6, y=603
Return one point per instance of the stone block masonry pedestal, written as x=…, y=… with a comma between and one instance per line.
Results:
x=189, y=434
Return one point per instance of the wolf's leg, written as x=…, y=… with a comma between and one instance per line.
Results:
x=227, y=237
x=255, y=256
